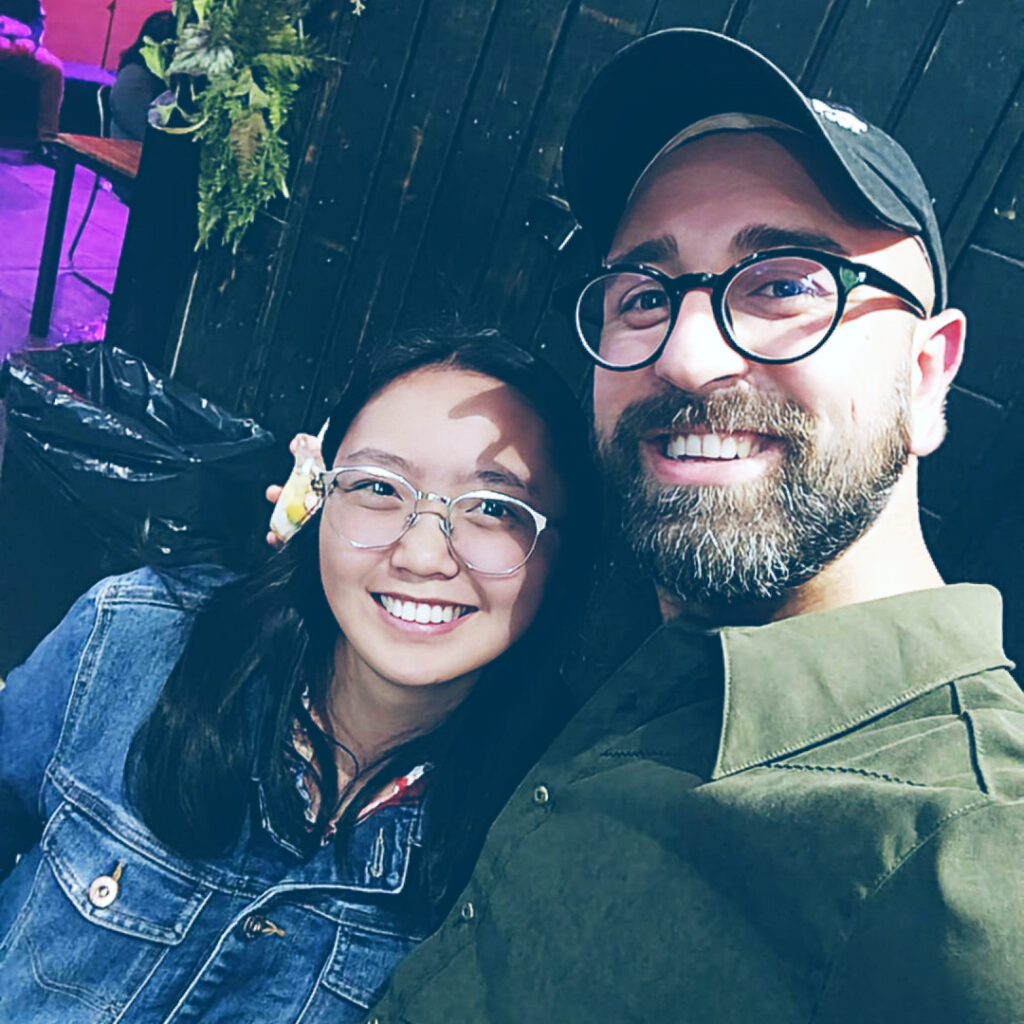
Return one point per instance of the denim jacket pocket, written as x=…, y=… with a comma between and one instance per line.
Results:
x=95, y=900
x=362, y=963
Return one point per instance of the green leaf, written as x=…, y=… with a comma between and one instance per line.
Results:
x=153, y=54
x=246, y=135
x=163, y=112
x=257, y=97
x=196, y=54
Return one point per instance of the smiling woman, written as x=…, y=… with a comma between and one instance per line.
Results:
x=271, y=787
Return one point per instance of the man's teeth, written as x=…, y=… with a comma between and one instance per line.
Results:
x=417, y=611
x=712, y=446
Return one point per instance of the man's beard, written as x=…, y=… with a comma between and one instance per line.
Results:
x=721, y=546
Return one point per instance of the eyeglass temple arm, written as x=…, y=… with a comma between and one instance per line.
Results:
x=875, y=278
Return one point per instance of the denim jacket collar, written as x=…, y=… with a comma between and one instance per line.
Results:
x=372, y=857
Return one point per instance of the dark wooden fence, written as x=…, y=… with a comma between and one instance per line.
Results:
x=424, y=155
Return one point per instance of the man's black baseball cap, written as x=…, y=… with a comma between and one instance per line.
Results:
x=661, y=84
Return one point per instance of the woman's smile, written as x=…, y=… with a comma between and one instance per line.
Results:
x=422, y=616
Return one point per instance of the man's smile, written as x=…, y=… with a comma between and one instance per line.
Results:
x=698, y=444
x=698, y=456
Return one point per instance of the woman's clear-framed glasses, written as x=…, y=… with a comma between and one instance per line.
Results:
x=774, y=307
x=373, y=508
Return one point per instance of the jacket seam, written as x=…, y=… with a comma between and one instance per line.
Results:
x=321, y=978
x=976, y=749
x=638, y=753
x=845, y=770
x=358, y=927
x=79, y=992
x=86, y=663
x=142, y=984
x=18, y=925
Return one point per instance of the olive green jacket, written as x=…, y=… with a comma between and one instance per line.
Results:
x=836, y=834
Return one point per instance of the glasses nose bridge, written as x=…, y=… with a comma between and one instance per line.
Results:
x=680, y=286
x=443, y=514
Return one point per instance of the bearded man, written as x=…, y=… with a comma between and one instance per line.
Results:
x=801, y=799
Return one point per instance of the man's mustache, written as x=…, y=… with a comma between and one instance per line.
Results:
x=729, y=412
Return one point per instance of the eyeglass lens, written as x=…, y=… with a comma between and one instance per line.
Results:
x=777, y=308
x=488, y=533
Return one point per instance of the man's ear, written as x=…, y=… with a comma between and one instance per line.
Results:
x=938, y=349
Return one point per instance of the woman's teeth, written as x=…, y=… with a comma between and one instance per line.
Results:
x=417, y=611
x=712, y=446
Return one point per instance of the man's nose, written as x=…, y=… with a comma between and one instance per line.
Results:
x=423, y=550
x=696, y=357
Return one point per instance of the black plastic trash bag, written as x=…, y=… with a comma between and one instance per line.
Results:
x=108, y=466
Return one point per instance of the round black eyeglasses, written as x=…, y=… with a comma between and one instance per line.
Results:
x=775, y=307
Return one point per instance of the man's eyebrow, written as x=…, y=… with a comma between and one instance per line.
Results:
x=758, y=237
x=652, y=250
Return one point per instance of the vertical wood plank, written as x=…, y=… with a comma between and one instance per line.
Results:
x=224, y=308
x=975, y=197
x=854, y=71
x=993, y=364
x=1000, y=225
x=348, y=157
x=485, y=158
x=785, y=32
x=710, y=14
x=965, y=86
x=514, y=288
x=426, y=120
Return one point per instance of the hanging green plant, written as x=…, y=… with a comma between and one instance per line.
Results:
x=232, y=74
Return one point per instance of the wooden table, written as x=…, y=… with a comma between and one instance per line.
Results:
x=117, y=160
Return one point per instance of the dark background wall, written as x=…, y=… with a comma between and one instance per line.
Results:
x=423, y=154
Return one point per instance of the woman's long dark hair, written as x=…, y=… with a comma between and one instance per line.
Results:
x=261, y=639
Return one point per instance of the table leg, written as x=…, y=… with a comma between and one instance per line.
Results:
x=53, y=240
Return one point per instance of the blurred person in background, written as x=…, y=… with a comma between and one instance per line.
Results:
x=22, y=54
x=136, y=86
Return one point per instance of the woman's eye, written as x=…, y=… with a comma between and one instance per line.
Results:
x=484, y=507
x=491, y=512
x=371, y=486
x=492, y=508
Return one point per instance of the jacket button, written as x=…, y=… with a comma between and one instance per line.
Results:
x=467, y=911
x=541, y=795
x=103, y=891
x=256, y=925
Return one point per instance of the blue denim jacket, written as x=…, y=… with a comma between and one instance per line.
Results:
x=255, y=935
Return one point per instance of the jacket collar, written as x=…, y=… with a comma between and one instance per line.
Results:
x=794, y=683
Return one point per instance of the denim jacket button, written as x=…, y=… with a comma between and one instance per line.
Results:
x=467, y=912
x=541, y=795
x=256, y=925
x=103, y=891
